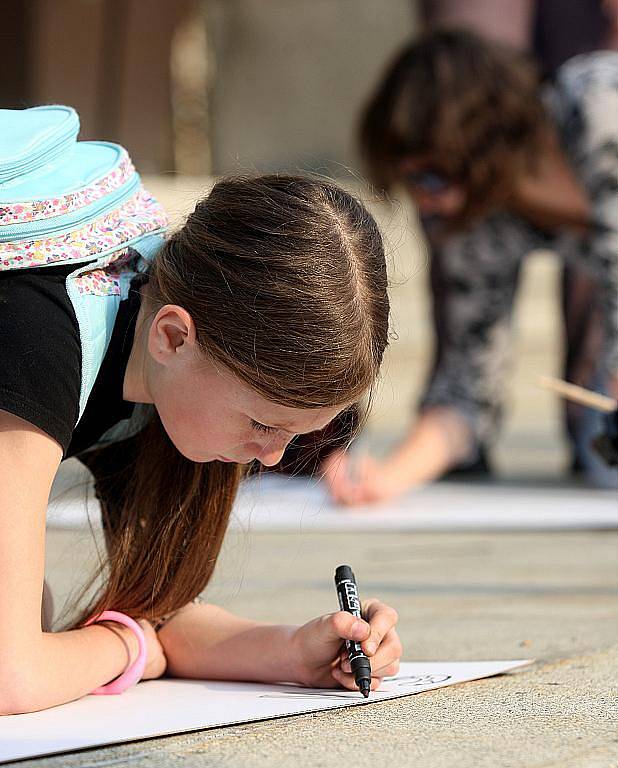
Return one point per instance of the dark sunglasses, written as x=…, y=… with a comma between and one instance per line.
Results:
x=428, y=181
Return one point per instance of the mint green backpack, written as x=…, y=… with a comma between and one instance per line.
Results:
x=64, y=201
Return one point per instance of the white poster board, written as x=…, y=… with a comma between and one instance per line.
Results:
x=163, y=707
x=274, y=502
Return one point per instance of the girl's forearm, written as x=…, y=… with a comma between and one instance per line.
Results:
x=206, y=642
x=59, y=667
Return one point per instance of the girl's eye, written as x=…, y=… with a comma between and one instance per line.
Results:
x=261, y=427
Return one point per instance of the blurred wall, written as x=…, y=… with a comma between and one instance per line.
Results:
x=288, y=78
x=206, y=85
x=110, y=59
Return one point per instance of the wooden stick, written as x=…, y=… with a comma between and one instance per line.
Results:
x=579, y=394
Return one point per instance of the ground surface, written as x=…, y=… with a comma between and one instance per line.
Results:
x=460, y=596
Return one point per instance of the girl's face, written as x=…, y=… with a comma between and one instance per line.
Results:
x=433, y=192
x=208, y=413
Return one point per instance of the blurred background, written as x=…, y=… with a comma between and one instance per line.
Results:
x=199, y=88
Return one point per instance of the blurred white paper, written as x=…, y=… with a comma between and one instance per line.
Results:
x=277, y=503
x=273, y=502
x=163, y=707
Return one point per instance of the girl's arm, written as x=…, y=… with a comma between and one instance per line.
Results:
x=204, y=641
x=37, y=669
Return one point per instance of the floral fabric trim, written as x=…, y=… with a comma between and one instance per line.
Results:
x=98, y=283
x=138, y=216
x=33, y=210
x=105, y=279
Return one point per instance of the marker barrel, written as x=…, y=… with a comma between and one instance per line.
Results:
x=347, y=594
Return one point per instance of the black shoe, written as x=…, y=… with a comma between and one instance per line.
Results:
x=479, y=469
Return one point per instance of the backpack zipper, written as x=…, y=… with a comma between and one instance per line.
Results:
x=66, y=222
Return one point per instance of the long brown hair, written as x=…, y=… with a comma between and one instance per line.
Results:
x=469, y=105
x=285, y=280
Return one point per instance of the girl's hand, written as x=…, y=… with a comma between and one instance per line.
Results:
x=156, y=662
x=320, y=660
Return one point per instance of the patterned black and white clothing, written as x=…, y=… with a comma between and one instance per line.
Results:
x=475, y=274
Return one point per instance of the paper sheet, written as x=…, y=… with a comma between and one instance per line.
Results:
x=162, y=707
x=273, y=502
x=279, y=503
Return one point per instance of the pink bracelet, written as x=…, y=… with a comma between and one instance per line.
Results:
x=133, y=672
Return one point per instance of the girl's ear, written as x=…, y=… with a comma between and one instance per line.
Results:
x=172, y=332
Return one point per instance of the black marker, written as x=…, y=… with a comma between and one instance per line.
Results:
x=347, y=593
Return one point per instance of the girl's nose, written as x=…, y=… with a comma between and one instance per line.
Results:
x=272, y=452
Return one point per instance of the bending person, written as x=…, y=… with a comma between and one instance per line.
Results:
x=497, y=167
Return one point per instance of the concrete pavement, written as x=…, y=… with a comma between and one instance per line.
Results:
x=553, y=597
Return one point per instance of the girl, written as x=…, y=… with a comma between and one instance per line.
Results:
x=497, y=168
x=263, y=317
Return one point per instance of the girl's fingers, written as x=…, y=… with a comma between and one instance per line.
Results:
x=382, y=619
x=382, y=646
x=342, y=626
x=382, y=662
x=389, y=650
x=389, y=670
x=347, y=681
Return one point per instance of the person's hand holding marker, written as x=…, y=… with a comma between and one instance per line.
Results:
x=203, y=641
x=440, y=440
x=321, y=662
x=360, y=480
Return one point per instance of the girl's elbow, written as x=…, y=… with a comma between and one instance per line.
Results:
x=18, y=694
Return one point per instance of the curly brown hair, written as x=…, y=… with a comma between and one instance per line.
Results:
x=470, y=108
